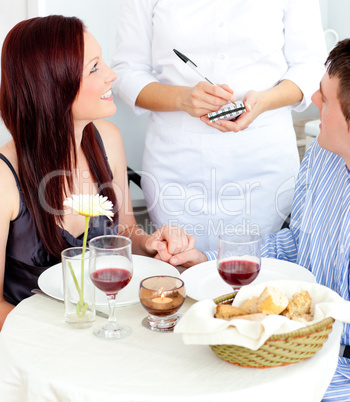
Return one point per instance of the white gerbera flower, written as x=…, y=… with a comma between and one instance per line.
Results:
x=90, y=205
x=87, y=205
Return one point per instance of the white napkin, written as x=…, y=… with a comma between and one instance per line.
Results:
x=198, y=325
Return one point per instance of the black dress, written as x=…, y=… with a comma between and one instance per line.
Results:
x=26, y=256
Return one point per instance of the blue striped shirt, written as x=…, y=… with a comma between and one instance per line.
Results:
x=319, y=234
x=319, y=238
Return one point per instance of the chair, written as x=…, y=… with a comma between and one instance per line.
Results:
x=139, y=206
x=134, y=177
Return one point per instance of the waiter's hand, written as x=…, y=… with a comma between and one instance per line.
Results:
x=254, y=104
x=205, y=98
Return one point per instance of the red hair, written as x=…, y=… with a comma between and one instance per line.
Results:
x=41, y=72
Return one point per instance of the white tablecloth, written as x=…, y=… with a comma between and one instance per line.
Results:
x=42, y=359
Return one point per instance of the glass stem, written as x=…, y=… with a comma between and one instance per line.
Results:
x=112, y=318
x=236, y=289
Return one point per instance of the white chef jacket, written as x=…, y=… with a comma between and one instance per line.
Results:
x=194, y=175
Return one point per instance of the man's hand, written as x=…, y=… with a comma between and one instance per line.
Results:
x=168, y=241
x=188, y=258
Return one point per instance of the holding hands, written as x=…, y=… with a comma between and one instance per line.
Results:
x=169, y=241
x=188, y=258
x=175, y=246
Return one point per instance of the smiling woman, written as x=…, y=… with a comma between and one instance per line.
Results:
x=55, y=92
x=36, y=98
x=42, y=89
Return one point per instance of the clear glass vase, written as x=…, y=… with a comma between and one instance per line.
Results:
x=79, y=291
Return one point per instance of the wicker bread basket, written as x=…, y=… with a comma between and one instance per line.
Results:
x=278, y=350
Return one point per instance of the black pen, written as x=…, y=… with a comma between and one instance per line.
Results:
x=190, y=63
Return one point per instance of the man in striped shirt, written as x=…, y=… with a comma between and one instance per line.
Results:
x=319, y=234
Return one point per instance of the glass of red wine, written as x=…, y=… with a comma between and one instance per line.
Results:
x=110, y=271
x=239, y=258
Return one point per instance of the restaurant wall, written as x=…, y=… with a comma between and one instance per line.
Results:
x=338, y=17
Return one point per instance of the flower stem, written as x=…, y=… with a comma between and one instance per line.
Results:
x=74, y=277
x=81, y=305
x=87, y=219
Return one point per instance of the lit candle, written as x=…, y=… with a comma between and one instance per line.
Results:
x=162, y=302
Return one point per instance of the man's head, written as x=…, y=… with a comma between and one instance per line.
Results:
x=333, y=100
x=338, y=65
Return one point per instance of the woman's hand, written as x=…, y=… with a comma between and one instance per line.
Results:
x=254, y=104
x=283, y=94
x=168, y=241
x=196, y=101
x=205, y=98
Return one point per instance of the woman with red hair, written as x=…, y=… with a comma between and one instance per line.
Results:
x=55, y=89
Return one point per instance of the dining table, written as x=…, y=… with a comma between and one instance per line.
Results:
x=43, y=359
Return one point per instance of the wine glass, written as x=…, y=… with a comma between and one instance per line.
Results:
x=110, y=271
x=239, y=258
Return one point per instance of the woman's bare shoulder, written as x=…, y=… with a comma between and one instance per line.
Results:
x=9, y=196
x=9, y=151
x=112, y=141
x=108, y=131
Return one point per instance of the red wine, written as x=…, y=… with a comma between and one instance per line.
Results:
x=238, y=272
x=111, y=280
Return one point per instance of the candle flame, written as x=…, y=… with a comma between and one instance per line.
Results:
x=162, y=296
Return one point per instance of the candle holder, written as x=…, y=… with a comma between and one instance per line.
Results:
x=162, y=297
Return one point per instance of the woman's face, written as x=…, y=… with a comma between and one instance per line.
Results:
x=94, y=99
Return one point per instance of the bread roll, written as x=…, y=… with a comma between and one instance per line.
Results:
x=299, y=307
x=227, y=311
x=272, y=301
x=251, y=305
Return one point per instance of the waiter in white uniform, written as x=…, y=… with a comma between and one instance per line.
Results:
x=228, y=175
